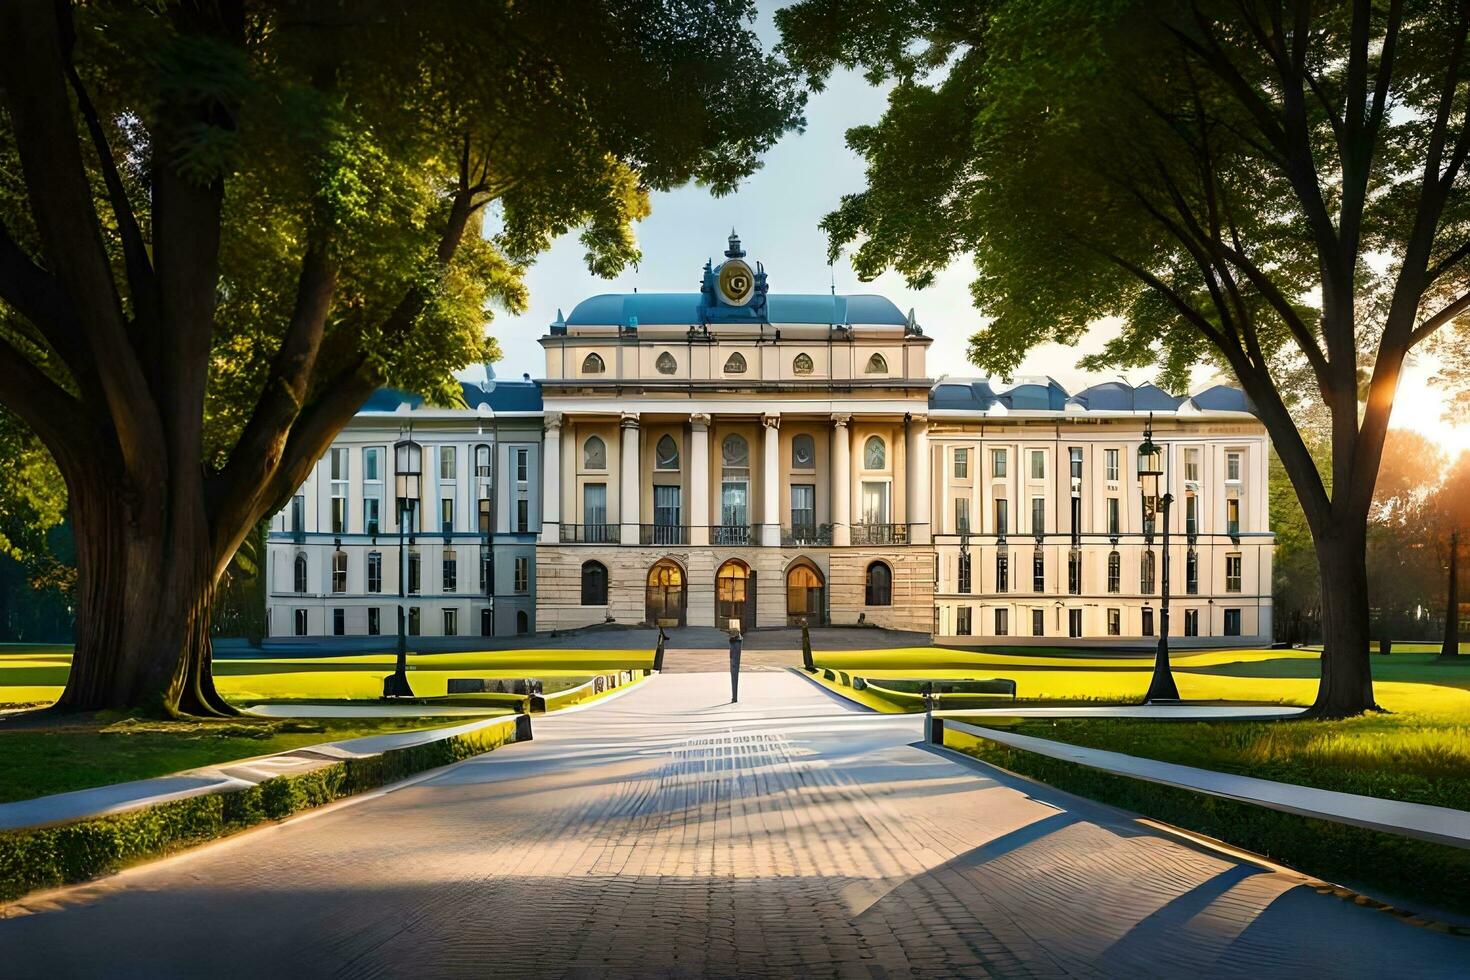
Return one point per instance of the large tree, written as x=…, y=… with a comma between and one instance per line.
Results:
x=1277, y=188
x=225, y=223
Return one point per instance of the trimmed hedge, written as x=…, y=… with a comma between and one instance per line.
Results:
x=68, y=853
x=1414, y=870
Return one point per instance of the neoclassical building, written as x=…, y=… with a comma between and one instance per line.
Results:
x=735, y=456
x=465, y=548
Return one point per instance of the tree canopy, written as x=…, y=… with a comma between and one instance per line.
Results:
x=1277, y=188
x=224, y=224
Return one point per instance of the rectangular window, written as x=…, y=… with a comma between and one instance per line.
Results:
x=1115, y=622
x=523, y=465
x=875, y=503
x=1232, y=467
x=1074, y=572
x=1232, y=516
x=298, y=513
x=446, y=515
x=484, y=515
x=375, y=571
x=1110, y=465
x=1038, y=573
x=734, y=504
x=339, y=510
x=451, y=622
x=486, y=572
x=1148, y=622
x=1074, y=457
x=375, y=621
x=372, y=516
x=1191, y=622
x=1002, y=516
x=1232, y=573
x=961, y=464
x=1146, y=565
x=1038, y=464
x=1232, y=622
x=414, y=618
x=594, y=507
x=339, y=571
x=1191, y=573
x=372, y=464
x=668, y=506
x=522, y=574
x=413, y=573
x=962, y=515
x=482, y=464
x=962, y=621
x=1038, y=622
x=803, y=511
x=1074, y=622
x=339, y=622
x=997, y=463
x=962, y=579
x=1191, y=514
x=451, y=571
x=339, y=461
x=1002, y=622
x=299, y=621
x=523, y=515
x=1113, y=520
x=1191, y=465
x=448, y=465
x=1038, y=515
x=1115, y=572
x=1002, y=572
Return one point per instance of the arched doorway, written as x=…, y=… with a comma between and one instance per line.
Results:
x=735, y=595
x=665, y=598
x=805, y=597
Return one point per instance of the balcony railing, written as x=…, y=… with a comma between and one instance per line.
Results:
x=731, y=534
x=663, y=534
x=806, y=535
x=869, y=534
x=591, y=533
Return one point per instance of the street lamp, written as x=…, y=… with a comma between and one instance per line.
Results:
x=408, y=471
x=1161, y=688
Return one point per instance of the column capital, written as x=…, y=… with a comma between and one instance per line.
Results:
x=841, y=420
x=771, y=421
x=918, y=418
x=629, y=420
x=699, y=420
x=553, y=421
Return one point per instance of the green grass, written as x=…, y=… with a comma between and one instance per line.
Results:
x=36, y=675
x=70, y=756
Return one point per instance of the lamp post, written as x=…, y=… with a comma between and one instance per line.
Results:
x=1161, y=688
x=408, y=469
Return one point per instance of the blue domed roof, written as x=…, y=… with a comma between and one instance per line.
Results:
x=685, y=309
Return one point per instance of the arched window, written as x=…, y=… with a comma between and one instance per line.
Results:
x=876, y=365
x=1115, y=572
x=339, y=571
x=594, y=454
x=879, y=585
x=523, y=623
x=482, y=462
x=802, y=364
x=875, y=454
x=666, y=454
x=666, y=363
x=1146, y=573
x=735, y=364
x=594, y=583
x=803, y=452
x=592, y=364
x=298, y=578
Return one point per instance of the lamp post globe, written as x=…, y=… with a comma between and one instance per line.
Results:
x=408, y=472
x=1161, y=686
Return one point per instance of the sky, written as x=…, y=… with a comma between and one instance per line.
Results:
x=776, y=212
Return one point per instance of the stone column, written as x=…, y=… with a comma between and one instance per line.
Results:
x=841, y=481
x=917, y=479
x=699, y=479
x=628, y=497
x=550, y=480
x=770, y=535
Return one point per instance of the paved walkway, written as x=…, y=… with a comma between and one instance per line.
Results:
x=668, y=833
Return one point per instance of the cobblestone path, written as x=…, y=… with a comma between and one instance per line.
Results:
x=666, y=833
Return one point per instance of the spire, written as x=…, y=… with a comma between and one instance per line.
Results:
x=734, y=251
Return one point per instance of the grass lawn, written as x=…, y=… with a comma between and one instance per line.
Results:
x=36, y=675
x=66, y=756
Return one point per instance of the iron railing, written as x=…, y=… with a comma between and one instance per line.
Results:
x=663, y=534
x=591, y=533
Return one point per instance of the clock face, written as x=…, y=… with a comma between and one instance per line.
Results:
x=737, y=282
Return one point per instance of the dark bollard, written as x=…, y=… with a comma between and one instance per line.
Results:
x=935, y=727
x=734, y=668
x=658, y=651
x=807, y=663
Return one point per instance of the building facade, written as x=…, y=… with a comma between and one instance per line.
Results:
x=740, y=458
x=465, y=549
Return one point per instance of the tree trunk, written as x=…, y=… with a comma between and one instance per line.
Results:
x=1451, y=648
x=145, y=589
x=1347, y=679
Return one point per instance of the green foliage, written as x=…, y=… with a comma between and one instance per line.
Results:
x=50, y=856
x=1414, y=870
